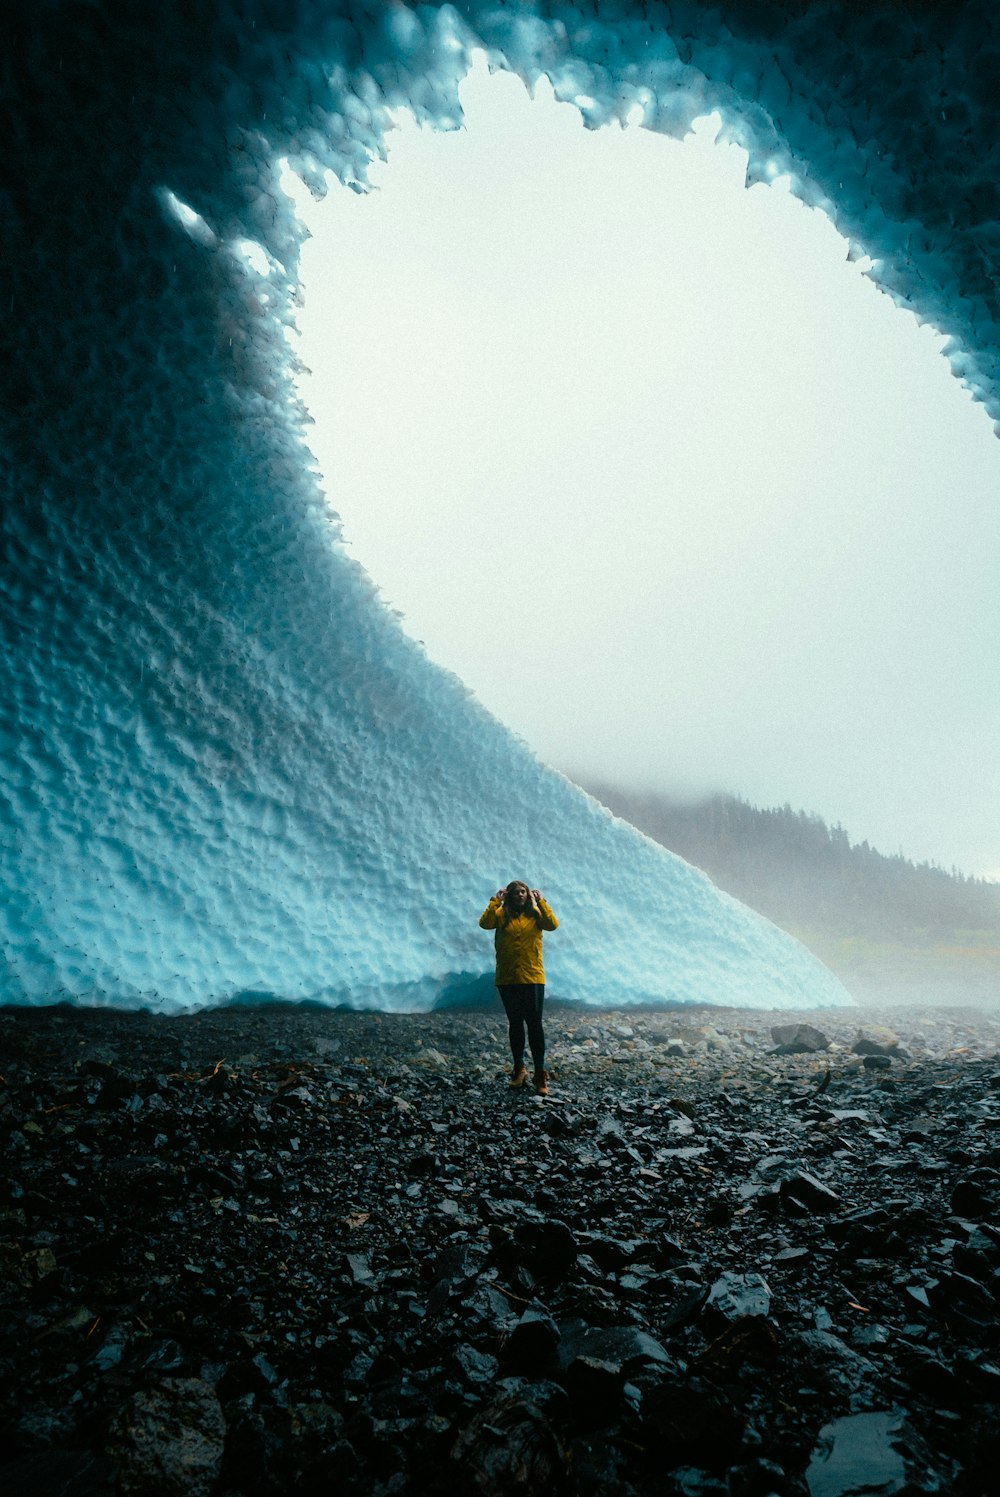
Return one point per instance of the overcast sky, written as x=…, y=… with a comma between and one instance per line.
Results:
x=684, y=498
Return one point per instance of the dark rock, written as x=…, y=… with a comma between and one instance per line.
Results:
x=626, y=1348
x=798, y=1039
x=809, y=1192
x=282, y=1249
x=110, y=1352
x=169, y=1441
x=877, y=1062
x=549, y=1247
x=956, y=1297
x=752, y=1342
x=475, y=1366
x=160, y=1356
x=532, y=1343
x=792, y=1255
x=254, y=1449
x=734, y=1296
x=337, y=1469
x=876, y=1040
x=760, y=1478
x=689, y=1481
x=687, y=1419
x=359, y=1268
x=830, y=1364
x=511, y=1446
x=595, y=1386
x=612, y=1253
x=977, y=1194
x=929, y=1376
x=60, y=1473
x=685, y=1306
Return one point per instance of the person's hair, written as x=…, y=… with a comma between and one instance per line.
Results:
x=519, y=883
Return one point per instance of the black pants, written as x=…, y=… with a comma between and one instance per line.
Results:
x=522, y=1003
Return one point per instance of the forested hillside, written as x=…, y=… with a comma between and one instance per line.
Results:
x=805, y=875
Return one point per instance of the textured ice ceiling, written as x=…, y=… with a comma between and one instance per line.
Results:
x=224, y=767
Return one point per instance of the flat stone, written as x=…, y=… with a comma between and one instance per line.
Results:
x=735, y=1295
x=865, y=1455
x=623, y=1346
x=810, y=1192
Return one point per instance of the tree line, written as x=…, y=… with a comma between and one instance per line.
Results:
x=799, y=872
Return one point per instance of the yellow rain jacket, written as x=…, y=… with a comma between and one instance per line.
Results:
x=518, y=941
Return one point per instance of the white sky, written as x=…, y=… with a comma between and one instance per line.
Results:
x=684, y=498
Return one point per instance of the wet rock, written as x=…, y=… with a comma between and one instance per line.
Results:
x=687, y=1419
x=876, y=1039
x=798, y=1039
x=809, y=1192
x=977, y=1194
x=958, y=1298
x=832, y=1365
x=611, y=1253
x=877, y=1063
x=625, y=1348
x=549, y=1247
x=475, y=1366
x=158, y=1356
x=689, y=1481
x=169, y=1441
x=734, y=1296
x=759, y=1478
x=595, y=1385
x=532, y=1343
x=359, y=1268
x=511, y=1446
x=286, y=1249
x=751, y=1342
x=871, y=1453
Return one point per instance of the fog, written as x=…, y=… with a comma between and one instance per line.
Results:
x=639, y=454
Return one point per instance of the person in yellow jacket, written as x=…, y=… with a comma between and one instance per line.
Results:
x=519, y=915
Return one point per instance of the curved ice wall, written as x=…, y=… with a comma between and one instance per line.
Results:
x=224, y=767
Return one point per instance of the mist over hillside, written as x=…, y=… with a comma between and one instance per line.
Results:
x=887, y=926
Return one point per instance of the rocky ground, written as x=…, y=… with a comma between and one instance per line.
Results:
x=256, y=1251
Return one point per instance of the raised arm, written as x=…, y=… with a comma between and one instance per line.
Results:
x=490, y=918
x=546, y=919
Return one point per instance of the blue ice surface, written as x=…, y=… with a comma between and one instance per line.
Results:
x=225, y=771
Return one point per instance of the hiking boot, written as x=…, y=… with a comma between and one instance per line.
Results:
x=541, y=1083
x=519, y=1075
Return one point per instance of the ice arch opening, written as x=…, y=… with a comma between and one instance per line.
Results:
x=662, y=424
x=224, y=768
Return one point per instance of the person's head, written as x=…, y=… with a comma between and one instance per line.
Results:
x=517, y=897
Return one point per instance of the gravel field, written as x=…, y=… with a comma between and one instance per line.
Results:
x=288, y=1249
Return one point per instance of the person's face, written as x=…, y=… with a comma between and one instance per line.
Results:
x=517, y=896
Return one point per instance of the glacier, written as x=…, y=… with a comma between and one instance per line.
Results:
x=226, y=772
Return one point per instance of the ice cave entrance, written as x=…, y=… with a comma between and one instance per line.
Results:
x=585, y=389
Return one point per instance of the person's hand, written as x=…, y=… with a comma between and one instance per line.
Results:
x=536, y=895
x=498, y=896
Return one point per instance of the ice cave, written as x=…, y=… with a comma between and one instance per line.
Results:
x=226, y=772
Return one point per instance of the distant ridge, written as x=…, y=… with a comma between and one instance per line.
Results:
x=805, y=875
